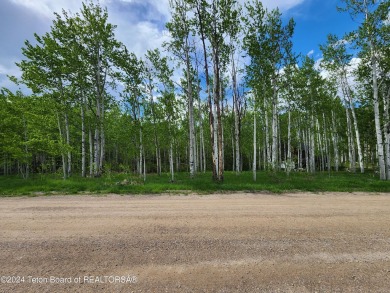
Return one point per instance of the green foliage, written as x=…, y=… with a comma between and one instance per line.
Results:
x=202, y=184
x=268, y=42
x=76, y=69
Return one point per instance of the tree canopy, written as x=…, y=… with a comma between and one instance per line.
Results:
x=227, y=92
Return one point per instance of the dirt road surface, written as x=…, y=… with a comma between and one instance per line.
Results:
x=216, y=243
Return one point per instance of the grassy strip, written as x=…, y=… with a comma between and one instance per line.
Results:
x=130, y=184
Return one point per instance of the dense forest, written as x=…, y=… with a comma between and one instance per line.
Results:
x=227, y=92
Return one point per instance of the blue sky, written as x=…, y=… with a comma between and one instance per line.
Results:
x=141, y=24
x=315, y=19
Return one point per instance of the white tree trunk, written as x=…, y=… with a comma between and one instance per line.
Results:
x=191, y=121
x=236, y=117
x=274, y=132
x=279, y=144
x=64, y=168
x=320, y=145
x=387, y=131
x=67, y=132
x=377, y=119
x=141, y=147
x=348, y=93
x=171, y=168
x=202, y=155
x=335, y=143
x=254, y=146
x=91, y=148
x=378, y=130
x=217, y=101
x=233, y=153
x=83, y=147
x=237, y=138
x=222, y=137
x=96, y=144
x=102, y=148
x=312, y=146
x=267, y=140
x=144, y=164
x=299, y=140
x=327, y=143
x=357, y=134
x=215, y=143
x=289, y=162
x=351, y=144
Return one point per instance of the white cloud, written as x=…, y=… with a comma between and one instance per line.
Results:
x=140, y=37
x=140, y=23
x=138, y=34
x=46, y=8
x=352, y=66
x=162, y=6
x=9, y=70
x=283, y=5
x=310, y=53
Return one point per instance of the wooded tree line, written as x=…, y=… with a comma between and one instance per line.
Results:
x=245, y=100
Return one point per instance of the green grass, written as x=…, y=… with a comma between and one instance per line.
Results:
x=266, y=181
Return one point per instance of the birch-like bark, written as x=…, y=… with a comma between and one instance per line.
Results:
x=299, y=140
x=289, y=162
x=335, y=143
x=377, y=119
x=215, y=52
x=177, y=157
x=357, y=134
x=208, y=85
x=378, y=130
x=326, y=142
x=171, y=167
x=192, y=146
x=254, y=146
x=217, y=114
x=141, y=151
x=279, y=145
x=320, y=146
x=83, y=146
x=91, y=147
x=267, y=142
x=97, y=151
x=102, y=144
x=236, y=110
x=202, y=155
x=144, y=173
x=215, y=142
x=222, y=133
x=306, y=148
x=233, y=153
x=98, y=100
x=26, y=164
x=312, y=146
x=67, y=133
x=156, y=142
x=64, y=167
x=387, y=131
x=351, y=144
x=274, y=131
x=348, y=93
x=265, y=162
